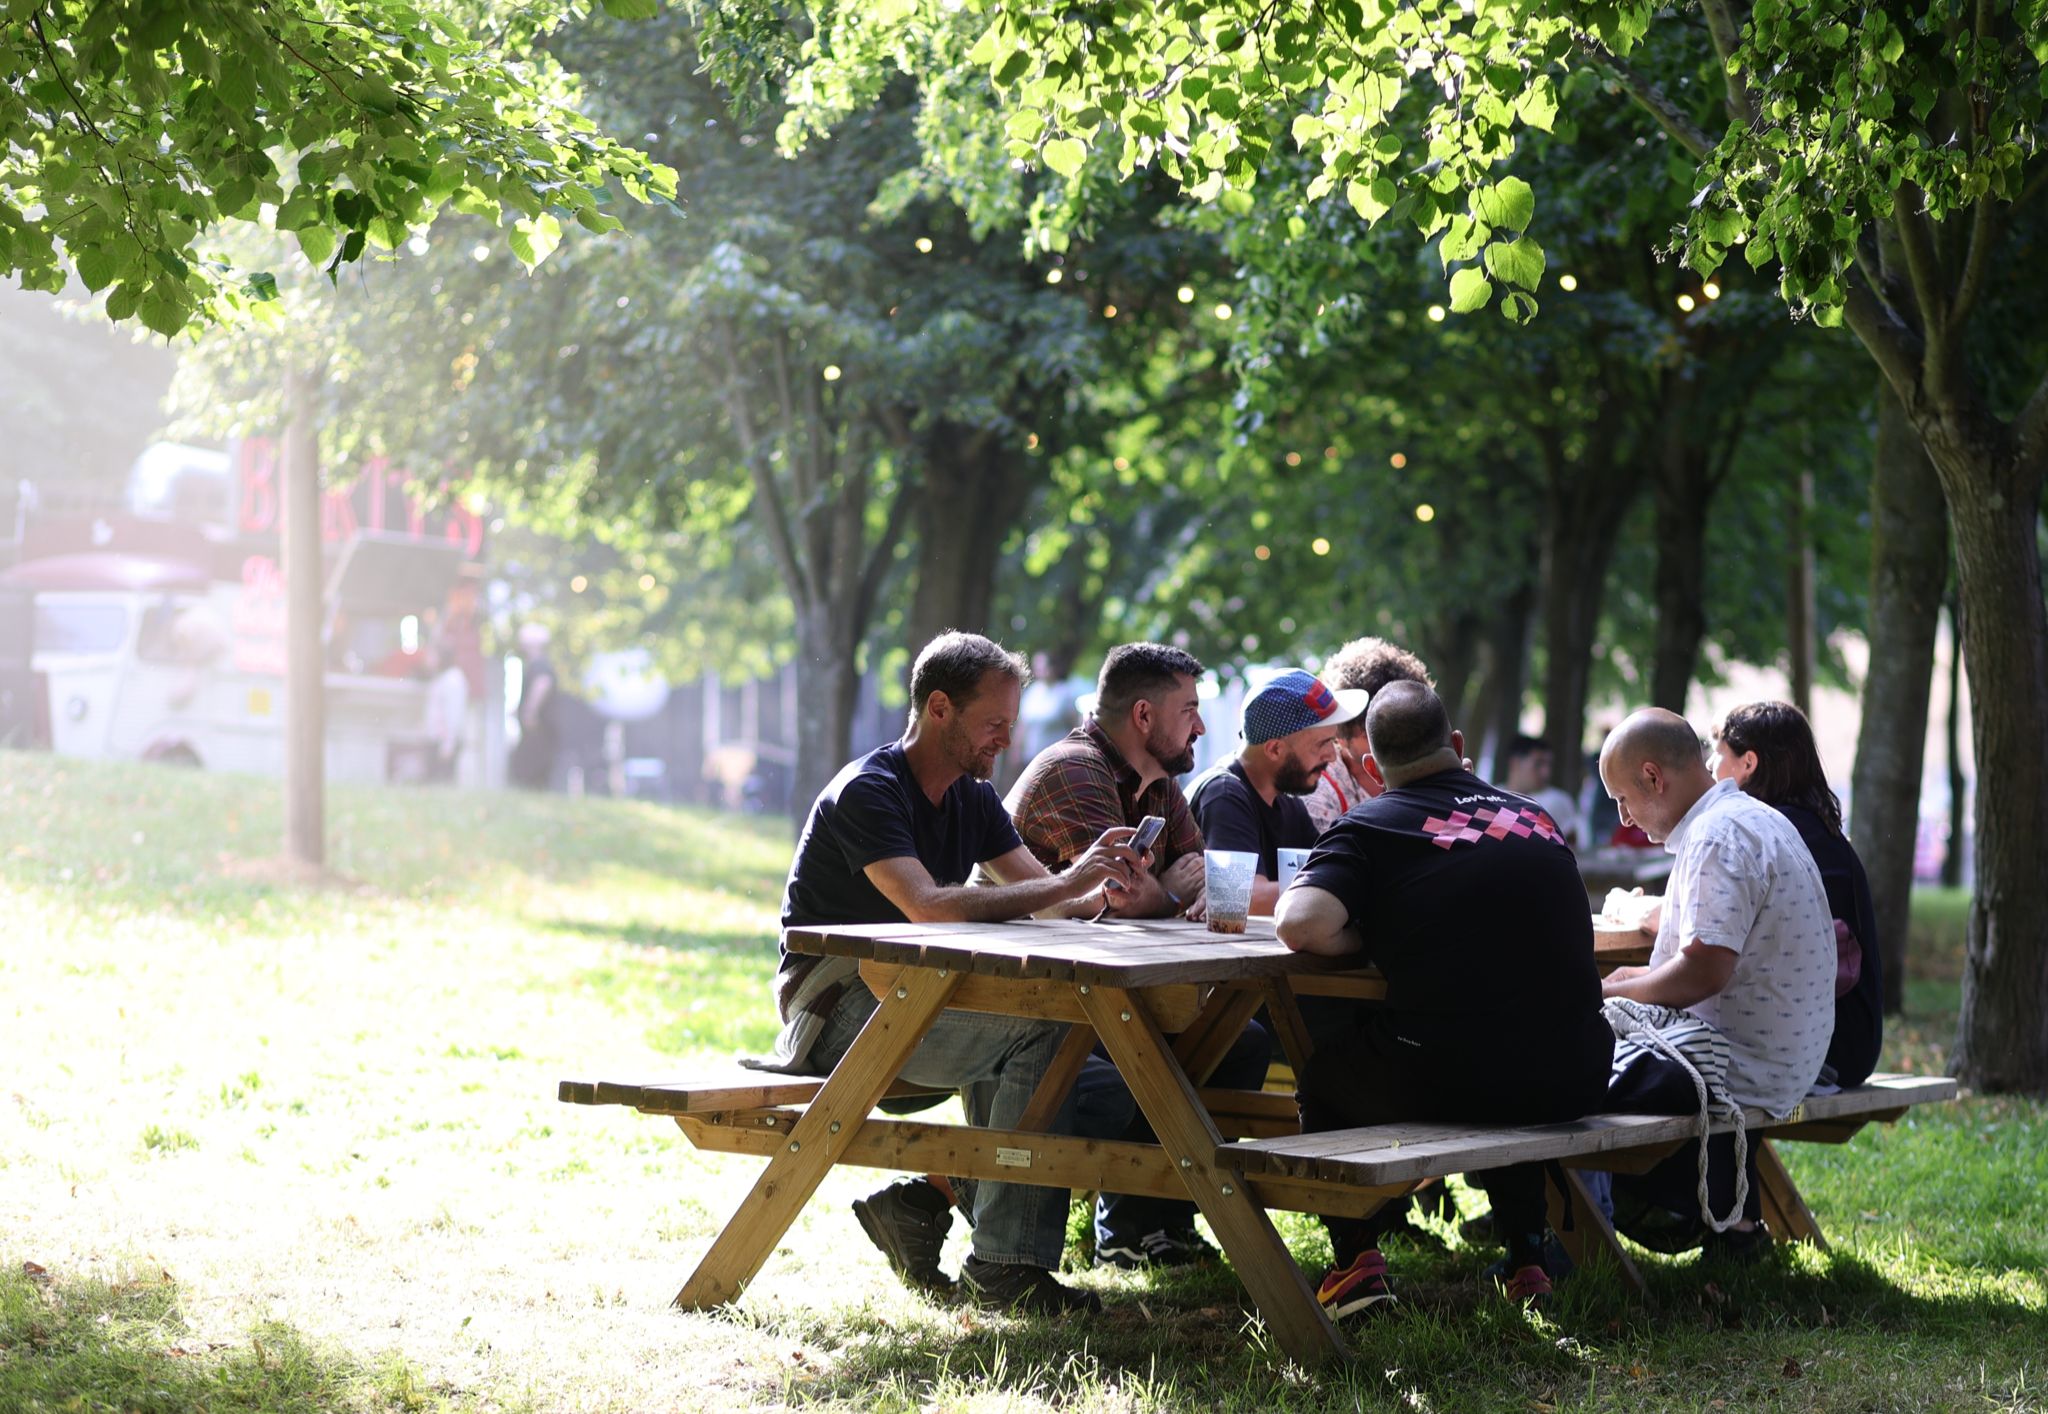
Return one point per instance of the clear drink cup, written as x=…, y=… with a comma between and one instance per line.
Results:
x=1229, y=882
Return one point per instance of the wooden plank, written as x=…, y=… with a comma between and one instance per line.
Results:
x=1044, y=1106
x=1263, y=1263
x=1401, y=1152
x=1784, y=1209
x=1588, y=1238
x=1226, y=1022
x=913, y=1146
x=737, y=1088
x=1827, y=1131
x=1175, y=1006
x=817, y=1140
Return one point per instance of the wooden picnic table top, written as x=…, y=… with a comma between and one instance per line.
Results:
x=1126, y=953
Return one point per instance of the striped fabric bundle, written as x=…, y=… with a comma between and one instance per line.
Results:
x=1699, y=1050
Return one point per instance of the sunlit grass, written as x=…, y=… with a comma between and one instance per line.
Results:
x=300, y=1149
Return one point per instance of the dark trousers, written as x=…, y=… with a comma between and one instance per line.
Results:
x=1386, y=1070
x=1100, y=1095
x=1661, y=1208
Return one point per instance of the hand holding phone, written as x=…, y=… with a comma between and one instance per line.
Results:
x=1149, y=830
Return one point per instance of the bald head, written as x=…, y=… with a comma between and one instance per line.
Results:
x=1653, y=768
x=1410, y=733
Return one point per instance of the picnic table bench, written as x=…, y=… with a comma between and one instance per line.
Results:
x=1237, y=1153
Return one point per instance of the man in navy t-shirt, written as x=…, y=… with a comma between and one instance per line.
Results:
x=1469, y=900
x=1255, y=801
x=894, y=838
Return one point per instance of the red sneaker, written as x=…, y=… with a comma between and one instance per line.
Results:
x=1361, y=1286
x=1529, y=1285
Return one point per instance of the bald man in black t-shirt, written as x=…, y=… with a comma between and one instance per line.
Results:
x=1470, y=902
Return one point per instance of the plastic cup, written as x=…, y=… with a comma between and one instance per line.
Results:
x=1229, y=884
x=1290, y=862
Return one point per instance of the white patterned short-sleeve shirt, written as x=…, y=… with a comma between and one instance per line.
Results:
x=1744, y=881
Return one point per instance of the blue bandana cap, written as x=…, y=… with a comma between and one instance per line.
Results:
x=1295, y=701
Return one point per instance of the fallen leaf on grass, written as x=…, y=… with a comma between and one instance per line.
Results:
x=1792, y=1370
x=35, y=1271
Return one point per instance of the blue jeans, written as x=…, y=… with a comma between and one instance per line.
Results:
x=1105, y=1109
x=997, y=1061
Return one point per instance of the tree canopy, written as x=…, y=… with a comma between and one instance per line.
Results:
x=131, y=129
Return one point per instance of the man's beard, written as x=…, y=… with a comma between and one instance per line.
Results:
x=960, y=750
x=1297, y=779
x=1159, y=743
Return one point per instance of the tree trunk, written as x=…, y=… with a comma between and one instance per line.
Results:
x=1453, y=656
x=1993, y=502
x=305, y=685
x=1908, y=566
x=1586, y=502
x=1685, y=487
x=1958, y=786
x=1509, y=679
x=972, y=492
x=828, y=686
x=1799, y=593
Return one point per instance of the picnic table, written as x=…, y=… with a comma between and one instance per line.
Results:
x=1130, y=984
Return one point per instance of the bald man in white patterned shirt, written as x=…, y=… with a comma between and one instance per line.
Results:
x=1745, y=941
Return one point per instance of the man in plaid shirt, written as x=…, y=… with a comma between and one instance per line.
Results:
x=1112, y=770
x=1118, y=767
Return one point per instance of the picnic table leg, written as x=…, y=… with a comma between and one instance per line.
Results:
x=1285, y=1009
x=1583, y=1229
x=1190, y=1138
x=1784, y=1210
x=1059, y=1079
x=817, y=1140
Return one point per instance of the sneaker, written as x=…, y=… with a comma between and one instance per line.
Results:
x=1008, y=1286
x=909, y=1221
x=1529, y=1285
x=1174, y=1247
x=1362, y=1286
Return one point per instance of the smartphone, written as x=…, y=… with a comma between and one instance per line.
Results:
x=1149, y=829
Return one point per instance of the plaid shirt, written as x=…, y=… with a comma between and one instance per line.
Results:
x=1080, y=786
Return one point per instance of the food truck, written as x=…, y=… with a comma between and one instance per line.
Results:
x=156, y=630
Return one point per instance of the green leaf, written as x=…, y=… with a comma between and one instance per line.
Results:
x=121, y=303
x=300, y=210
x=1470, y=290
x=1538, y=106
x=1012, y=68
x=1519, y=262
x=163, y=313
x=1507, y=204
x=1371, y=200
x=535, y=240
x=1517, y=307
x=316, y=243
x=98, y=267
x=632, y=9
x=1064, y=155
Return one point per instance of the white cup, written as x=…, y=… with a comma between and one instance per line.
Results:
x=1229, y=887
x=1290, y=862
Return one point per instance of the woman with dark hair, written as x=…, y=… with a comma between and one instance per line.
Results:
x=1767, y=749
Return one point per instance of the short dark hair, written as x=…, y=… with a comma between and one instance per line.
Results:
x=1788, y=769
x=1525, y=745
x=1405, y=723
x=1134, y=672
x=1372, y=663
x=955, y=663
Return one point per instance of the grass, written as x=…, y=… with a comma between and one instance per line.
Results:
x=273, y=1148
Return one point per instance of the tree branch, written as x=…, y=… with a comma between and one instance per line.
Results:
x=1892, y=342
x=1985, y=229
x=1726, y=28
x=1930, y=293
x=794, y=570
x=1650, y=98
x=884, y=548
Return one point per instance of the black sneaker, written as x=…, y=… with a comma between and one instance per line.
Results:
x=1174, y=1247
x=1006, y=1286
x=909, y=1221
x=1738, y=1248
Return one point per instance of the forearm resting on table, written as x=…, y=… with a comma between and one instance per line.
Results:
x=910, y=887
x=1315, y=921
x=1699, y=971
